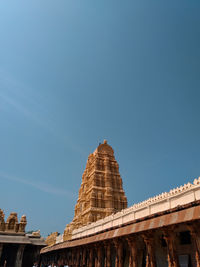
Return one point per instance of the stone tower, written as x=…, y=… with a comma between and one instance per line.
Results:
x=101, y=192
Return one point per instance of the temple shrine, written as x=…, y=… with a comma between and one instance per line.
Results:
x=18, y=249
x=101, y=193
x=161, y=231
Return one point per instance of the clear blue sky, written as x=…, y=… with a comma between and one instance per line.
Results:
x=73, y=73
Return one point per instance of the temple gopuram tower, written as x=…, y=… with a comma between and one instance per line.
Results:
x=101, y=192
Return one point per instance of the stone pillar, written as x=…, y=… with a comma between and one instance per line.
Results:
x=91, y=253
x=107, y=254
x=83, y=257
x=19, y=257
x=98, y=259
x=119, y=253
x=71, y=258
x=194, y=231
x=169, y=236
x=133, y=258
x=67, y=258
x=149, y=242
x=96, y=256
x=1, y=250
x=77, y=258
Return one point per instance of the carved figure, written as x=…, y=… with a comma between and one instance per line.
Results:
x=12, y=222
x=2, y=222
x=22, y=224
x=51, y=239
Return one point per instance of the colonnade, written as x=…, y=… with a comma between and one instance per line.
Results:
x=11, y=255
x=18, y=255
x=136, y=250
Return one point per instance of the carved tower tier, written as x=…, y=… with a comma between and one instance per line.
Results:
x=101, y=192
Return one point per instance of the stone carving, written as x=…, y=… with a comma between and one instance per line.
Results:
x=12, y=224
x=51, y=239
x=101, y=192
x=36, y=233
x=2, y=222
x=22, y=224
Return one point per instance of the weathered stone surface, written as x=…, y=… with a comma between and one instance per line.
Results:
x=16, y=247
x=2, y=221
x=101, y=192
x=11, y=224
x=51, y=239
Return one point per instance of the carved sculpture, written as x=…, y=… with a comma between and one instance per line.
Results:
x=51, y=239
x=2, y=222
x=22, y=224
x=12, y=224
x=36, y=233
x=101, y=192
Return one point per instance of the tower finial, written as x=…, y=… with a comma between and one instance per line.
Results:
x=105, y=141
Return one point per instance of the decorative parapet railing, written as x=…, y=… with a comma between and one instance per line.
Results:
x=176, y=197
x=11, y=225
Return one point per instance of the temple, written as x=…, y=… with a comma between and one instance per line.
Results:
x=18, y=249
x=101, y=192
x=158, y=232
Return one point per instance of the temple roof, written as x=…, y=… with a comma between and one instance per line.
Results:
x=104, y=149
x=22, y=239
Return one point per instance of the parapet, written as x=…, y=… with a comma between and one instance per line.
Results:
x=176, y=197
x=11, y=225
x=51, y=239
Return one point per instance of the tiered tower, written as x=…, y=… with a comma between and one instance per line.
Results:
x=101, y=192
